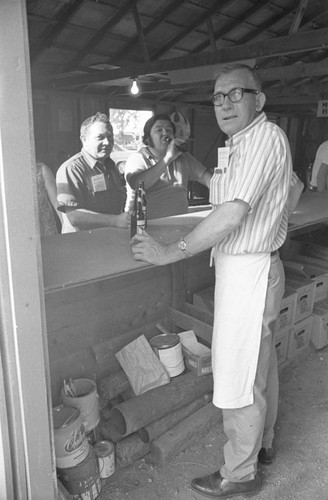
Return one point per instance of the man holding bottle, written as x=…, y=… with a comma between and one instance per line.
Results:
x=248, y=224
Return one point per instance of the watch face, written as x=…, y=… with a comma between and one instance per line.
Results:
x=182, y=245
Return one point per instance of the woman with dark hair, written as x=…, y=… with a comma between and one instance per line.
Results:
x=164, y=168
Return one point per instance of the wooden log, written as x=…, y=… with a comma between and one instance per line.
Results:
x=184, y=434
x=140, y=411
x=109, y=432
x=159, y=427
x=130, y=449
x=111, y=386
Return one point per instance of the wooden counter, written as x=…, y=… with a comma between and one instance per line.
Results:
x=98, y=298
x=311, y=210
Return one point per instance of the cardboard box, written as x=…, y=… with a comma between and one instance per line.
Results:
x=319, y=334
x=199, y=365
x=281, y=344
x=286, y=315
x=317, y=273
x=299, y=338
x=197, y=356
x=204, y=299
x=305, y=290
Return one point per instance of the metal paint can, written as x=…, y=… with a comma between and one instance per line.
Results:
x=82, y=481
x=104, y=451
x=167, y=347
x=71, y=443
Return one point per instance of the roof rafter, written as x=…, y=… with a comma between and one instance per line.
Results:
x=66, y=15
x=299, y=42
x=98, y=36
x=200, y=20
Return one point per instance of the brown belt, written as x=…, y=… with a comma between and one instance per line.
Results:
x=275, y=252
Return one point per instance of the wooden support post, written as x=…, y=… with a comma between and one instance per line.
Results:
x=184, y=434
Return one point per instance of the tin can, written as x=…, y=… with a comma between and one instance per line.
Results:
x=104, y=451
x=167, y=347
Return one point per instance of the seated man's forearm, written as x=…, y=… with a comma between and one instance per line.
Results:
x=86, y=219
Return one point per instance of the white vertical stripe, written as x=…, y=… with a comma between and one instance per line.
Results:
x=259, y=173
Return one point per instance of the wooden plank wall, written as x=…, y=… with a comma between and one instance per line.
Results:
x=87, y=324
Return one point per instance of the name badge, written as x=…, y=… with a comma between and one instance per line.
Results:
x=223, y=160
x=98, y=183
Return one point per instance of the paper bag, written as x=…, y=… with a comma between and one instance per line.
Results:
x=142, y=367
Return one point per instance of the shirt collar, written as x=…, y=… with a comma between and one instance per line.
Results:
x=239, y=136
x=91, y=161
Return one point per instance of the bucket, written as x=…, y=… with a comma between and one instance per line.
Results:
x=87, y=400
x=167, y=347
x=82, y=481
x=104, y=451
x=71, y=444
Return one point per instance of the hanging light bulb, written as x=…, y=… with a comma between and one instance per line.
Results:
x=134, y=88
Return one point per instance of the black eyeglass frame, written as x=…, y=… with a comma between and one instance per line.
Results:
x=243, y=90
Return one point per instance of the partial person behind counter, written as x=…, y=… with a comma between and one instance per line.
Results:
x=164, y=169
x=319, y=178
x=47, y=200
x=90, y=191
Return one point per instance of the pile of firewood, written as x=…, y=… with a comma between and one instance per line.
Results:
x=161, y=422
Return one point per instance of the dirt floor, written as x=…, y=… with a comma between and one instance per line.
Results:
x=299, y=472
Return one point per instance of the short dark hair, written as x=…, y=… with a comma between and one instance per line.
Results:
x=235, y=66
x=151, y=122
x=98, y=117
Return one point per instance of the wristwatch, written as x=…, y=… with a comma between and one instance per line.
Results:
x=182, y=245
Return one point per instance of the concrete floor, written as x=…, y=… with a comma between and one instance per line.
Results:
x=299, y=472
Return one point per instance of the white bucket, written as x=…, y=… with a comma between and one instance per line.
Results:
x=71, y=443
x=87, y=400
x=167, y=347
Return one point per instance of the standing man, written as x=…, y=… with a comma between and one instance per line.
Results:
x=90, y=192
x=246, y=227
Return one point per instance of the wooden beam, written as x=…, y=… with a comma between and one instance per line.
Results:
x=232, y=25
x=211, y=33
x=294, y=71
x=298, y=16
x=308, y=41
x=99, y=35
x=191, y=27
x=166, y=13
x=27, y=465
x=141, y=35
x=66, y=15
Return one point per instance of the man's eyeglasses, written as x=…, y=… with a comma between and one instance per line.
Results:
x=235, y=95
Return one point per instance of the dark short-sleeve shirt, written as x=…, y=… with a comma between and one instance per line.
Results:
x=83, y=182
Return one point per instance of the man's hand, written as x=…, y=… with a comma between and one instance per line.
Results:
x=123, y=220
x=173, y=150
x=146, y=248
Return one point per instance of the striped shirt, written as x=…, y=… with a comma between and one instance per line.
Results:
x=258, y=173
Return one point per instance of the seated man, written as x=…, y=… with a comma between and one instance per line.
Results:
x=90, y=191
